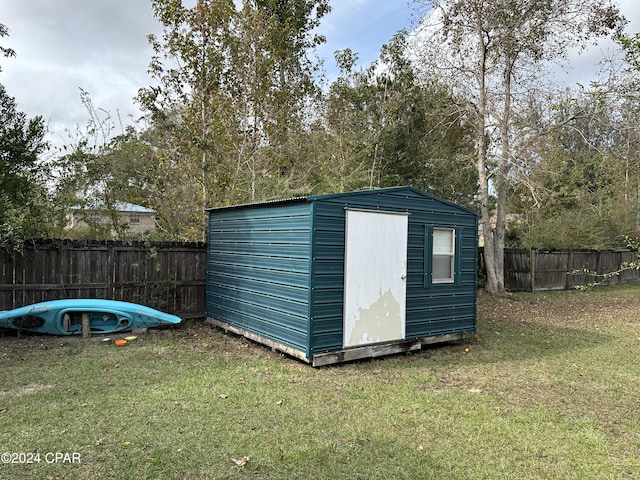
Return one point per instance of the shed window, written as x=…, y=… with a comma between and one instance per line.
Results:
x=444, y=252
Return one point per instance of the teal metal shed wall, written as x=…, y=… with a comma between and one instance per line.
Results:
x=258, y=270
x=431, y=309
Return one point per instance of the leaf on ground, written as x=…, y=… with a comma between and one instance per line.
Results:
x=240, y=462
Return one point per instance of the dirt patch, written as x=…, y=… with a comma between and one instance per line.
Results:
x=27, y=390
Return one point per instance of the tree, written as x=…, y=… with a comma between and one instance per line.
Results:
x=189, y=104
x=424, y=142
x=492, y=54
x=582, y=191
x=5, y=51
x=24, y=206
x=388, y=129
x=289, y=76
x=233, y=86
x=271, y=84
x=631, y=47
x=352, y=126
x=99, y=170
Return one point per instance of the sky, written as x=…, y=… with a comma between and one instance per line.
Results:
x=100, y=46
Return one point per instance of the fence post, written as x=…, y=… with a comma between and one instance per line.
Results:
x=532, y=269
x=620, y=255
x=111, y=265
x=567, y=275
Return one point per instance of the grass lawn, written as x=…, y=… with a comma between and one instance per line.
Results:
x=548, y=390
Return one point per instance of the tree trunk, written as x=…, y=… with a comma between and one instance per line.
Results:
x=493, y=247
x=501, y=185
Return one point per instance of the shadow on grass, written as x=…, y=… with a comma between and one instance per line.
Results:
x=500, y=340
x=519, y=327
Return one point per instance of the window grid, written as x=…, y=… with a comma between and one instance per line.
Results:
x=443, y=256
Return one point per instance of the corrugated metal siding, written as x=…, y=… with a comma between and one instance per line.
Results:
x=431, y=311
x=328, y=277
x=258, y=270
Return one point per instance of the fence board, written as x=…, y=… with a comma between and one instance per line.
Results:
x=166, y=276
x=539, y=270
x=551, y=269
x=516, y=270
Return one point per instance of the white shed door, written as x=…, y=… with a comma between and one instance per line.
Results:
x=375, y=277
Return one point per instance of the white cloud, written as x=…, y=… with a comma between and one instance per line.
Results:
x=65, y=45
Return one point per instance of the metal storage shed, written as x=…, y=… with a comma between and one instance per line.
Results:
x=338, y=277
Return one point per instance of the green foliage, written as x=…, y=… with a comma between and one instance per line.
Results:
x=24, y=205
x=95, y=182
x=237, y=116
x=188, y=110
x=388, y=129
x=5, y=51
x=425, y=141
x=578, y=229
x=493, y=55
x=230, y=120
x=582, y=190
x=631, y=47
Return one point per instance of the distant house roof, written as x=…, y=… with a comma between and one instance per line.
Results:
x=119, y=206
x=130, y=207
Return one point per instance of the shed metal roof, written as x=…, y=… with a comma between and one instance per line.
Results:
x=260, y=204
x=312, y=198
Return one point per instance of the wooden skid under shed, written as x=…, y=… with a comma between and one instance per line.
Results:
x=344, y=355
x=380, y=349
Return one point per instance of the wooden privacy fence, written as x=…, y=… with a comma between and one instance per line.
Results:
x=162, y=275
x=171, y=276
x=538, y=270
